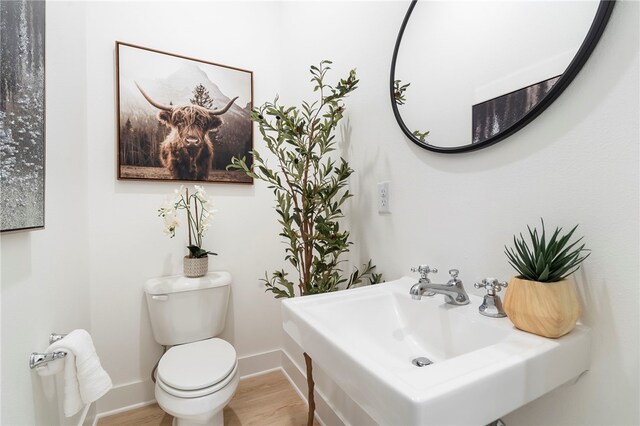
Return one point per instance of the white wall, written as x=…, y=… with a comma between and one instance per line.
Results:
x=577, y=163
x=126, y=240
x=45, y=273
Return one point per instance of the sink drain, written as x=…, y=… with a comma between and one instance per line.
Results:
x=421, y=361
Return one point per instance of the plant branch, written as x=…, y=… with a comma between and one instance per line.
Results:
x=188, y=214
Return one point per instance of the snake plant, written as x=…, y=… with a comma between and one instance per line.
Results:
x=546, y=261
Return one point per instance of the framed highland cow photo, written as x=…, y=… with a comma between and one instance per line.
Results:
x=181, y=118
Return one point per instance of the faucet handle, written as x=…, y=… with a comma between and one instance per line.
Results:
x=491, y=304
x=454, y=277
x=424, y=271
x=492, y=285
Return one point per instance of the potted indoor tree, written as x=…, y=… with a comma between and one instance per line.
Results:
x=310, y=183
x=542, y=299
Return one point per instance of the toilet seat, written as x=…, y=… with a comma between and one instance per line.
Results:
x=197, y=369
x=198, y=392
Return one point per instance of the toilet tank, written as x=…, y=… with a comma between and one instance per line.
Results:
x=184, y=310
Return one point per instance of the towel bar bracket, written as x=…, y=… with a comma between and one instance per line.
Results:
x=54, y=337
x=37, y=358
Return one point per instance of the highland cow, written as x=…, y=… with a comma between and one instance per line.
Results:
x=187, y=151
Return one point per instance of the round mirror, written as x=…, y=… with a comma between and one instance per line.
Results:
x=467, y=74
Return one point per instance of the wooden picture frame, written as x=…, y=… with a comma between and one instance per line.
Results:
x=181, y=118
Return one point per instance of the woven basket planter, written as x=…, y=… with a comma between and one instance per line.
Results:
x=195, y=267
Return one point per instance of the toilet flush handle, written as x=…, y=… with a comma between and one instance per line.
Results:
x=160, y=297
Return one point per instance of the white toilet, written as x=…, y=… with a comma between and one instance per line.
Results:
x=198, y=376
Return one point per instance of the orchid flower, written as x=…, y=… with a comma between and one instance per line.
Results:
x=199, y=216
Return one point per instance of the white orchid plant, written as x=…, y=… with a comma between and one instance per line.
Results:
x=199, y=216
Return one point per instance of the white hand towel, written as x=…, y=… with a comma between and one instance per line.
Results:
x=84, y=378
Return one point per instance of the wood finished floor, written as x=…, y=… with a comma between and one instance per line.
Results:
x=263, y=400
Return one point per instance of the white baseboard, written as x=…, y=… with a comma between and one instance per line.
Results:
x=125, y=397
x=121, y=410
x=258, y=364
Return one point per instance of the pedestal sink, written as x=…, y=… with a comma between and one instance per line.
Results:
x=367, y=338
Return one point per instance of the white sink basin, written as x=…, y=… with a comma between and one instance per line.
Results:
x=483, y=368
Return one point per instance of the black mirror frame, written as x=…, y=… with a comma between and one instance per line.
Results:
x=595, y=32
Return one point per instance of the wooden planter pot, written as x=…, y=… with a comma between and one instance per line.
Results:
x=545, y=309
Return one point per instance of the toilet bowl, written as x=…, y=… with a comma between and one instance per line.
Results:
x=195, y=381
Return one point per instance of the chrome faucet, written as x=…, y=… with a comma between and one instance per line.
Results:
x=453, y=291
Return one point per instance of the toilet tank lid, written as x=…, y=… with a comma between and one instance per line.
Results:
x=178, y=283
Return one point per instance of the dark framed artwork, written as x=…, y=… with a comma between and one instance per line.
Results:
x=22, y=114
x=499, y=114
x=181, y=118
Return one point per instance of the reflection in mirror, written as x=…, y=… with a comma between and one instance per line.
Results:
x=493, y=115
x=468, y=72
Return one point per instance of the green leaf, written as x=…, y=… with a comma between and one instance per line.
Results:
x=195, y=251
x=548, y=260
